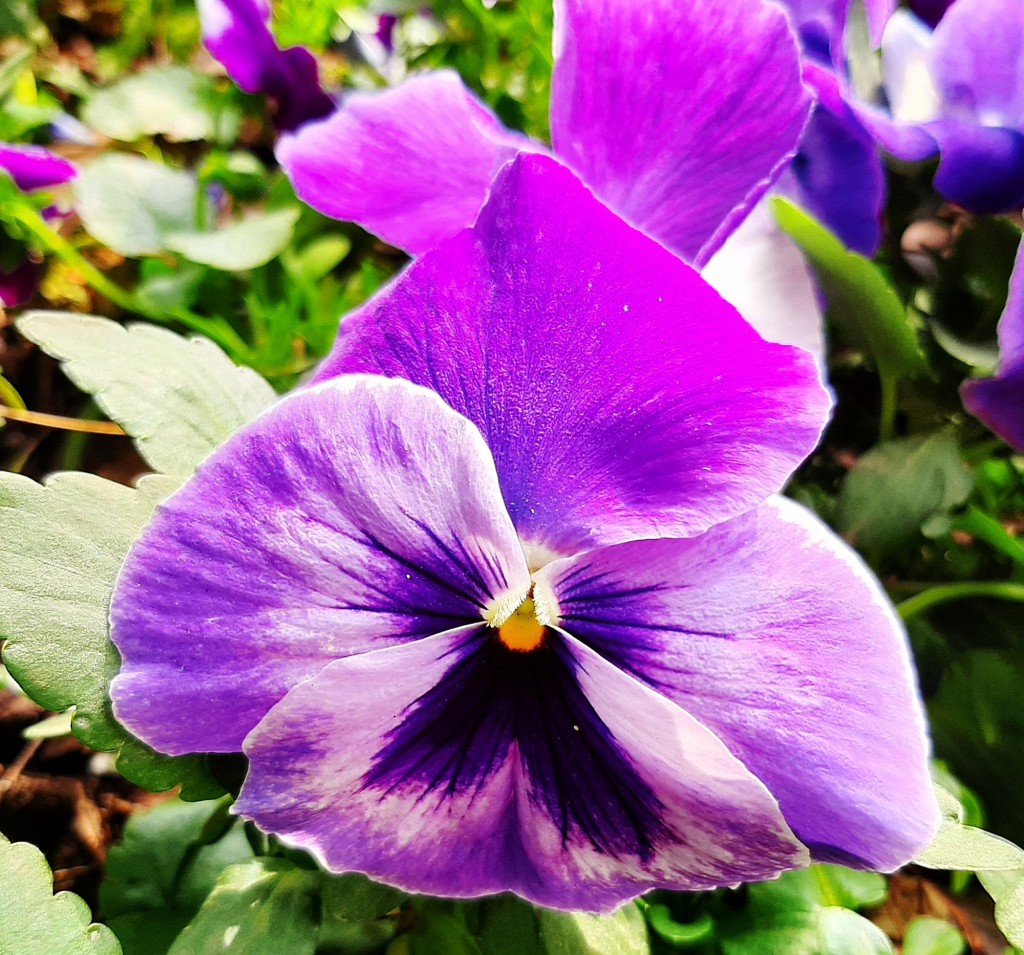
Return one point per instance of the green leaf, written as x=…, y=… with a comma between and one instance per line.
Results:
x=896, y=487
x=132, y=204
x=861, y=300
x=34, y=921
x=968, y=848
x=179, y=398
x=1010, y=913
x=354, y=897
x=244, y=245
x=931, y=936
x=71, y=535
x=803, y=913
x=164, y=868
x=575, y=933
x=508, y=926
x=263, y=907
x=978, y=726
x=172, y=101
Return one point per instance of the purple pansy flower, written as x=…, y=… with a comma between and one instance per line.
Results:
x=674, y=143
x=506, y=600
x=958, y=92
x=32, y=168
x=237, y=33
x=837, y=174
x=999, y=401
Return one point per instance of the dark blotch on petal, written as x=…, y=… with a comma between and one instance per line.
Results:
x=459, y=733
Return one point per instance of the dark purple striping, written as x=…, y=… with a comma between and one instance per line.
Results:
x=458, y=734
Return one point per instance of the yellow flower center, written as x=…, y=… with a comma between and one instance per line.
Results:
x=522, y=631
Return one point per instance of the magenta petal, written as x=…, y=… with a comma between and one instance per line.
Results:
x=999, y=401
x=32, y=167
x=18, y=285
x=237, y=33
x=411, y=164
x=772, y=633
x=678, y=115
x=620, y=396
x=348, y=517
x=455, y=767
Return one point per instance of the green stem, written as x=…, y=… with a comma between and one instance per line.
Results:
x=890, y=406
x=215, y=329
x=999, y=589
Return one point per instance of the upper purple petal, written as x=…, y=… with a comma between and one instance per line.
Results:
x=774, y=635
x=677, y=115
x=411, y=164
x=348, y=517
x=456, y=767
x=999, y=401
x=237, y=33
x=977, y=61
x=620, y=396
x=32, y=167
x=980, y=168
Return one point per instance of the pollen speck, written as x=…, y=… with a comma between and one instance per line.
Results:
x=522, y=631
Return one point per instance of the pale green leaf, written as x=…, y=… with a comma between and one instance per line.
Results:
x=575, y=933
x=263, y=907
x=72, y=534
x=179, y=398
x=131, y=204
x=34, y=921
x=843, y=932
x=860, y=298
x=966, y=847
x=244, y=245
x=931, y=936
x=172, y=101
x=1010, y=913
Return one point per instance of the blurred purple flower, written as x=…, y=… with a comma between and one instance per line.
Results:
x=33, y=169
x=837, y=174
x=237, y=33
x=999, y=401
x=511, y=604
x=958, y=92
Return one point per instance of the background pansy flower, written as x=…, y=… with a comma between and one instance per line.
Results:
x=32, y=169
x=506, y=601
x=999, y=401
x=237, y=33
x=958, y=93
x=672, y=142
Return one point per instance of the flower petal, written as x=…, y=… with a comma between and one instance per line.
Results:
x=237, y=34
x=772, y=633
x=411, y=164
x=32, y=167
x=761, y=271
x=18, y=284
x=677, y=115
x=619, y=395
x=838, y=174
x=348, y=517
x=456, y=767
x=978, y=62
x=980, y=168
x=999, y=401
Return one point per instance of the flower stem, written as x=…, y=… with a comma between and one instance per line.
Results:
x=890, y=403
x=52, y=242
x=59, y=421
x=999, y=589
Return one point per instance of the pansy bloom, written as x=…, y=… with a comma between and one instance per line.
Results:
x=675, y=144
x=958, y=93
x=999, y=401
x=506, y=600
x=33, y=169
